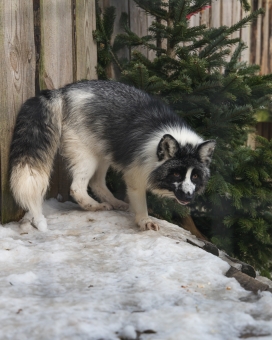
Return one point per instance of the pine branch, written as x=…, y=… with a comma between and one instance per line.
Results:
x=154, y=8
x=245, y=4
x=245, y=21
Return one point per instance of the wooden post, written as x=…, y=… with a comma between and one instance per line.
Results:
x=265, y=40
x=258, y=36
x=236, y=16
x=56, y=66
x=151, y=54
x=86, y=51
x=120, y=6
x=56, y=69
x=215, y=13
x=17, y=83
x=270, y=37
x=245, y=37
x=138, y=24
x=205, y=17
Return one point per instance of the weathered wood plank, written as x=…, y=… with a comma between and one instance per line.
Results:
x=205, y=17
x=236, y=16
x=215, y=20
x=195, y=20
x=138, y=24
x=270, y=38
x=265, y=40
x=226, y=16
x=245, y=37
x=120, y=6
x=86, y=50
x=253, y=35
x=17, y=58
x=258, y=36
x=226, y=12
x=56, y=68
x=151, y=54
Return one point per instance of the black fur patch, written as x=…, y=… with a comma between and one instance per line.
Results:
x=168, y=147
x=34, y=132
x=163, y=177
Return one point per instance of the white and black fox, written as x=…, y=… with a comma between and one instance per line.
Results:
x=97, y=124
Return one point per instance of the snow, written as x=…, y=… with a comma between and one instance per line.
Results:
x=94, y=275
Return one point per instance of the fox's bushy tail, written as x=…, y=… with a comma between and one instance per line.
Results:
x=35, y=143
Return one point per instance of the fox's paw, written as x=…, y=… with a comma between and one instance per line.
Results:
x=40, y=223
x=99, y=207
x=148, y=224
x=26, y=223
x=120, y=205
x=26, y=226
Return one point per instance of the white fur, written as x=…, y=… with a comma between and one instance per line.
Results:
x=163, y=193
x=78, y=97
x=82, y=163
x=29, y=187
x=187, y=186
x=136, y=181
x=182, y=136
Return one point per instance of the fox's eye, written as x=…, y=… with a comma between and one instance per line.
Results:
x=176, y=174
x=194, y=176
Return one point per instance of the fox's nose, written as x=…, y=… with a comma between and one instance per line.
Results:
x=188, y=196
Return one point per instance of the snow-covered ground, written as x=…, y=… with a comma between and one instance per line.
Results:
x=93, y=275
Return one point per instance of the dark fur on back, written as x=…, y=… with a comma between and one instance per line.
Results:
x=122, y=113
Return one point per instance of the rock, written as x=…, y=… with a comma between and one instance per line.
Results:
x=247, y=282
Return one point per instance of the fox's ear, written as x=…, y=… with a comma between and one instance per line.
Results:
x=205, y=151
x=167, y=147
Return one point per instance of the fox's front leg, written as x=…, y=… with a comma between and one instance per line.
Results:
x=137, y=201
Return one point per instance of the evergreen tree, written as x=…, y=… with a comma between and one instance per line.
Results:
x=197, y=74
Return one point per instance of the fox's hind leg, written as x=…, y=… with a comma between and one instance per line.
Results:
x=99, y=188
x=82, y=164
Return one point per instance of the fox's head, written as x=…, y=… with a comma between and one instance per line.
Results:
x=183, y=170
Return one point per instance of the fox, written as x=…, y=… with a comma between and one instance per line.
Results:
x=98, y=124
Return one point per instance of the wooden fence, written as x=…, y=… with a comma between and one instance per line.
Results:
x=49, y=43
x=43, y=44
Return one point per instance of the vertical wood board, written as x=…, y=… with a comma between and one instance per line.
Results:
x=236, y=17
x=258, y=36
x=138, y=24
x=56, y=69
x=215, y=20
x=195, y=20
x=120, y=6
x=205, y=17
x=264, y=129
x=226, y=18
x=151, y=54
x=226, y=12
x=265, y=40
x=86, y=50
x=270, y=39
x=17, y=56
x=245, y=37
